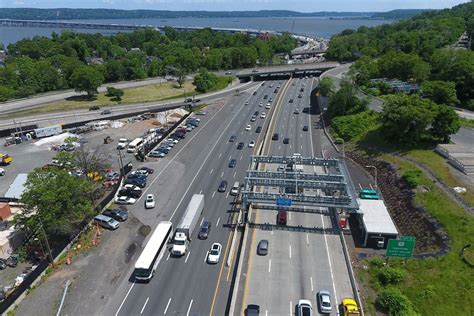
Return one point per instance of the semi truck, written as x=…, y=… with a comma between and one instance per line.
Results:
x=186, y=226
x=47, y=131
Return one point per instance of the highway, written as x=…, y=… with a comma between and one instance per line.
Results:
x=299, y=263
x=187, y=285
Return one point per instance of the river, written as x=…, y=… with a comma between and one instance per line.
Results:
x=310, y=26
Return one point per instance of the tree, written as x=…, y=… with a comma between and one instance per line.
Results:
x=445, y=123
x=326, y=86
x=345, y=101
x=60, y=201
x=205, y=81
x=181, y=76
x=86, y=78
x=115, y=93
x=440, y=92
x=406, y=118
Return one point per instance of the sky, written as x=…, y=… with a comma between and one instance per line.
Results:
x=239, y=5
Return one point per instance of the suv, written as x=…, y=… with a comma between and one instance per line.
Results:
x=240, y=145
x=106, y=222
x=122, y=143
x=136, y=181
x=281, y=218
x=117, y=214
x=304, y=308
x=204, y=231
x=131, y=193
x=259, y=129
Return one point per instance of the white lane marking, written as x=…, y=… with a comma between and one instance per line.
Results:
x=144, y=305
x=290, y=146
x=205, y=257
x=202, y=220
x=169, y=254
x=120, y=307
x=218, y=220
x=230, y=157
x=241, y=133
x=200, y=192
x=235, y=173
x=212, y=170
x=227, y=195
x=266, y=313
x=269, y=265
x=301, y=147
x=167, y=305
x=222, y=175
x=307, y=239
x=289, y=216
x=220, y=154
x=241, y=157
x=189, y=308
x=271, y=232
x=329, y=259
x=290, y=251
x=279, y=147
x=213, y=194
x=291, y=308
x=311, y=279
x=186, y=260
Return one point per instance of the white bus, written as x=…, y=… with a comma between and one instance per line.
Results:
x=135, y=145
x=154, y=250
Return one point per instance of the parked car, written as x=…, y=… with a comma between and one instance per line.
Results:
x=122, y=143
x=205, y=230
x=150, y=201
x=131, y=193
x=106, y=222
x=125, y=200
x=304, y=308
x=131, y=187
x=232, y=163
x=2, y=172
x=136, y=181
x=240, y=145
x=324, y=302
x=214, y=254
x=262, y=248
x=173, y=140
x=137, y=176
x=112, y=176
x=3, y=264
x=222, y=186
x=201, y=113
x=140, y=172
x=117, y=214
x=148, y=170
x=156, y=154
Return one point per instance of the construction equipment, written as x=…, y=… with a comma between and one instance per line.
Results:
x=5, y=159
x=108, y=140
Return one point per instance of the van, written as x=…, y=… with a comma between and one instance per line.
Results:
x=235, y=189
x=106, y=222
x=281, y=218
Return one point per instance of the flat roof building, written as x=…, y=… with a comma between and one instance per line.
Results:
x=376, y=223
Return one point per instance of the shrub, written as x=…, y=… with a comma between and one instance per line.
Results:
x=395, y=302
x=412, y=177
x=389, y=275
x=377, y=263
x=352, y=126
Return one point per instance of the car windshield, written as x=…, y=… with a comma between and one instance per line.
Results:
x=204, y=230
x=325, y=303
x=214, y=252
x=305, y=311
x=179, y=242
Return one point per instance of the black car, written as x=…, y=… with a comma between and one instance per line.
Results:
x=256, y=113
x=131, y=193
x=117, y=214
x=136, y=181
x=275, y=91
x=94, y=108
x=291, y=100
x=137, y=176
x=222, y=186
x=205, y=230
x=265, y=96
x=300, y=96
x=259, y=129
x=305, y=128
x=286, y=141
x=149, y=170
x=275, y=136
x=163, y=150
x=306, y=110
x=240, y=145
x=255, y=93
x=232, y=163
x=302, y=90
x=232, y=138
x=252, y=310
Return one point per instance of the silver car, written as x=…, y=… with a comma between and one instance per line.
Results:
x=324, y=301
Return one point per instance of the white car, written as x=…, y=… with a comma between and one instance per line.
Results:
x=172, y=140
x=248, y=128
x=247, y=103
x=214, y=254
x=122, y=143
x=2, y=172
x=131, y=187
x=125, y=200
x=267, y=107
x=150, y=201
x=260, y=104
x=252, y=144
x=142, y=172
x=263, y=115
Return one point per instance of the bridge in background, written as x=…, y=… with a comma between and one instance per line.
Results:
x=285, y=71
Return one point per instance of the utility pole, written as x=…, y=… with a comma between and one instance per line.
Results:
x=50, y=255
x=121, y=163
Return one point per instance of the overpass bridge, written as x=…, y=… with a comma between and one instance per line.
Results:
x=285, y=71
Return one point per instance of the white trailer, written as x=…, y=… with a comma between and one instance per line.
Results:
x=186, y=226
x=48, y=131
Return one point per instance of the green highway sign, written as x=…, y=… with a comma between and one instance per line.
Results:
x=402, y=247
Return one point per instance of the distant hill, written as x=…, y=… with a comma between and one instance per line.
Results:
x=84, y=14
x=398, y=14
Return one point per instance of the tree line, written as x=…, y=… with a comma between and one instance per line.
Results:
x=44, y=64
x=414, y=50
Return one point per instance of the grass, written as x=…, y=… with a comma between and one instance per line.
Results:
x=467, y=122
x=148, y=93
x=437, y=286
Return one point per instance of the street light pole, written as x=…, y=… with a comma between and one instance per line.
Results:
x=50, y=255
x=120, y=162
x=375, y=168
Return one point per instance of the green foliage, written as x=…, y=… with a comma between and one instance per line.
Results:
x=86, y=79
x=115, y=93
x=413, y=177
x=440, y=92
x=44, y=64
x=345, y=101
x=62, y=202
x=205, y=81
x=353, y=126
x=389, y=275
x=445, y=123
x=326, y=86
x=395, y=302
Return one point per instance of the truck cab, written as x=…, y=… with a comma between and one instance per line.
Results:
x=180, y=244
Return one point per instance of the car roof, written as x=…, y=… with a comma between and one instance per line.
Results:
x=206, y=224
x=216, y=246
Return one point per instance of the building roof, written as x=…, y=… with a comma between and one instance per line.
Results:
x=376, y=218
x=17, y=187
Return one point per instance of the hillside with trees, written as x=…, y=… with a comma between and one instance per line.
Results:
x=84, y=61
x=418, y=50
